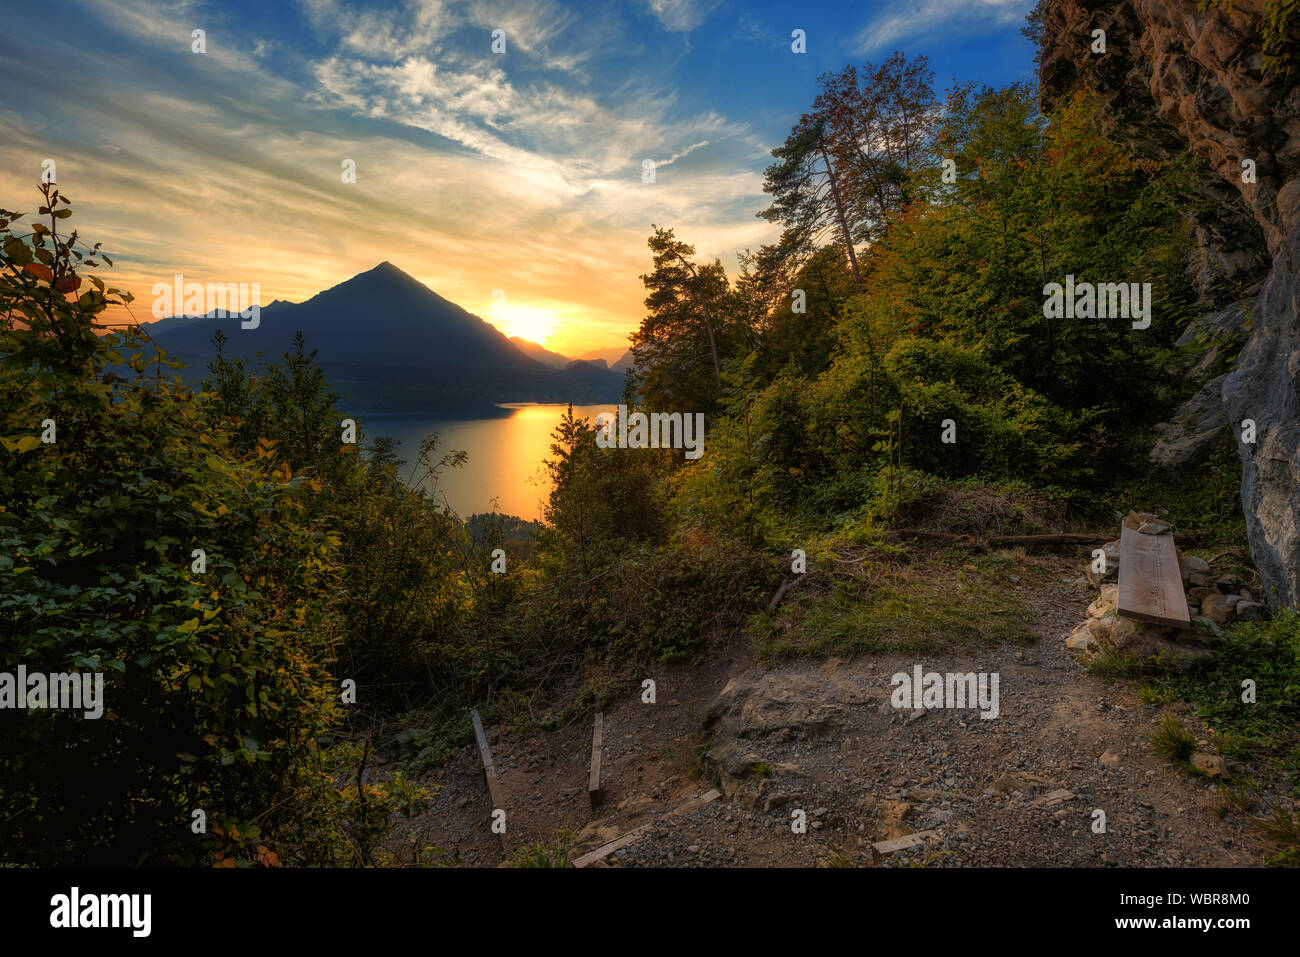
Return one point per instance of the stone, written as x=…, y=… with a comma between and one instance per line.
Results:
x=1112, y=566
x=1219, y=608
x=1195, y=83
x=1211, y=765
x=1251, y=611
x=1109, y=759
x=1081, y=639
x=1106, y=603
x=1191, y=565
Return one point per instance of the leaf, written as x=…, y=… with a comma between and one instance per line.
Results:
x=39, y=271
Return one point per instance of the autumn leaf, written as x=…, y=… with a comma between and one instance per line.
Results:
x=39, y=271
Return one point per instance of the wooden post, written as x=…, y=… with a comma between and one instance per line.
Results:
x=594, y=790
x=490, y=772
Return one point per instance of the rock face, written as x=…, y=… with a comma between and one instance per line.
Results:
x=1173, y=79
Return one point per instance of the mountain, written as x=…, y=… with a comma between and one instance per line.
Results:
x=617, y=360
x=539, y=353
x=389, y=343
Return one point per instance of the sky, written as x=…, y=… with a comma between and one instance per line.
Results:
x=515, y=173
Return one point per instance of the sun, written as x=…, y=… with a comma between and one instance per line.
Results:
x=527, y=322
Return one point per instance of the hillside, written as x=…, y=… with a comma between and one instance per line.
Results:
x=389, y=343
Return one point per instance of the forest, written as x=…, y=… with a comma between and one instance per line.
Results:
x=269, y=601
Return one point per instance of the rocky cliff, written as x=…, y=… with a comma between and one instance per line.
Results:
x=1172, y=79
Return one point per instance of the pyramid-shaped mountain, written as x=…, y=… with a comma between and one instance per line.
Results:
x=393, y=344
x=382, y=316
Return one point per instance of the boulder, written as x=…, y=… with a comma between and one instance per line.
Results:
x=1250, y=611
x=1219, y=607
x=1192, y=79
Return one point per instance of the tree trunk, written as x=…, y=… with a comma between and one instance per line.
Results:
x=839, y=212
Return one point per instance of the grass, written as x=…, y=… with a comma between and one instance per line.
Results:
x=1172, y=740
x=873, y=606
x=1266, y=731
x=1283, y=827
x=541, y=854
x=834, y=857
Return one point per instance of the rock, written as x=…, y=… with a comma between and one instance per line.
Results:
x=1211, y=765
x=1250, y=611
x=1191, y=565
x=1195, y=83
x=1106, y=603
x=1198, y=593
x=1147, y=523
x=1054, y=798
x=1201, y=624
x=1109, y=759
x=773, y=801
x=1219, y=608
x=1081, y=639
x=1112, y=566
x=1202, y=580
x=1229, y=584
x=1151, y=644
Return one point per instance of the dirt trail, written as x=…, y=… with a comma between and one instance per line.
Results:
x=823, y=737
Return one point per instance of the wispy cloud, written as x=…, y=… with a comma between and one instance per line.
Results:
x=908, y=19
x=681, y=16
x=475, y=171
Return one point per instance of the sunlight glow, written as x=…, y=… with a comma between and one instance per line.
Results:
x=528, y=322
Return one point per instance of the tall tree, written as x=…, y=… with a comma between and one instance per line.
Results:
x=680, y=344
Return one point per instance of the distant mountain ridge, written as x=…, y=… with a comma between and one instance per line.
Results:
x=390, y=343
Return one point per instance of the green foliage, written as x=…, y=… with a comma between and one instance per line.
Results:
x=1172, y=740
x=541, y=854
x=216, y=681
x=880, y=608
x=1267, y=653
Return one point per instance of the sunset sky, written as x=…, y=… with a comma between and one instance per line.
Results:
x=475, y=171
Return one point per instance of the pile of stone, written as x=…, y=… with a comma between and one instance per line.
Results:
x=1213, y=600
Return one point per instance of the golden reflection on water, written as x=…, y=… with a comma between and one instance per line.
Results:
x=505, y=455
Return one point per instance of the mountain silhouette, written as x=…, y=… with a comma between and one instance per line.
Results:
x=390, y=343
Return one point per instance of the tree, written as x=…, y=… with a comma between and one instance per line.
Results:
x=680, y=345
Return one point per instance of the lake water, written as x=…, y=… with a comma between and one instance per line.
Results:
x=506, y=453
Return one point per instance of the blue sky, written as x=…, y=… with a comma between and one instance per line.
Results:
x=476, y=171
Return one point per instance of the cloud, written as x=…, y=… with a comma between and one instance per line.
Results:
x=907, y=19
x=682, y=16
x=474, y=171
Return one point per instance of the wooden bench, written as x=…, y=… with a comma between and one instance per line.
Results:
x=1150, y=580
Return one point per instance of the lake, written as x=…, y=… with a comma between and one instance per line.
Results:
x=506, y=453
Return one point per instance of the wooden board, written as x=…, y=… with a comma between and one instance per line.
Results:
x=1150, y=581
x=489, y=771
x=593, y=780
x=905, y=843
x=637, y=833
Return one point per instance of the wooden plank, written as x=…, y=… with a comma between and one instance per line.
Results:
x=1150, y=581
x=905, y=843
x=632, y=836
x=605, y=850
x=594, y=790
x=489, y=772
